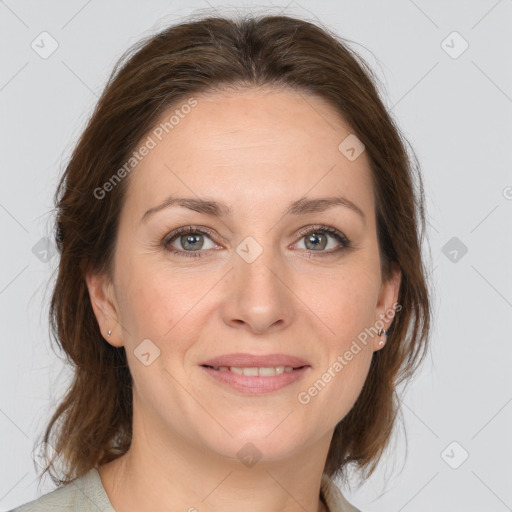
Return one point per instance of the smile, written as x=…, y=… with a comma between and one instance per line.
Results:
x=256, y=380
x=268, y=371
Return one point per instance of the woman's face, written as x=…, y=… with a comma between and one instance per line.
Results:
x=258, y=274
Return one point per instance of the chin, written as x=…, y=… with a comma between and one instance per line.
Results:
x=269, y=442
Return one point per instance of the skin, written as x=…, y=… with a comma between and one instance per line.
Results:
x=256, y=151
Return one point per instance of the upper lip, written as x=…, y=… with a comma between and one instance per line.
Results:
x=261, y=361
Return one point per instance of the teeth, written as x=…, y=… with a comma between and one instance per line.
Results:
x=255, y=372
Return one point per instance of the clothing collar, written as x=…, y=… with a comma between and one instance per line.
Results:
x=332, y=497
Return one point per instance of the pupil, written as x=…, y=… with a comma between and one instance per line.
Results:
x=190, y=241
x=315, y=241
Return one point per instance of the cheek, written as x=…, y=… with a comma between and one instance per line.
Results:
x=338, y=382
x=157, y=306
x=347, y=302
x=348, y=310
x=157, y=303
x=350, y=380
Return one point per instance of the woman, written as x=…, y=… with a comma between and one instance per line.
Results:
x=241, y=286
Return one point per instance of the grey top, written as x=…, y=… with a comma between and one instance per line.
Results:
x=87, y=494
x=84, y=494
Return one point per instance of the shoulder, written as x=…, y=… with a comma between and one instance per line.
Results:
x=333, y=497
x=85, y=494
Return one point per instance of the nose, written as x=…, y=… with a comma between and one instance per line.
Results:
x=258, y=294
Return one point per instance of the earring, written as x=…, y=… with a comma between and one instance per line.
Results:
x=379, y=333
x=109, y=333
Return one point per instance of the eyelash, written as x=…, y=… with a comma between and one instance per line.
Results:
x=318, y=229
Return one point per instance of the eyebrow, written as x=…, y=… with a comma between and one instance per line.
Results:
x=209, y=207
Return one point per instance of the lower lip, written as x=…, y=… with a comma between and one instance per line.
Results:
x=257, y=385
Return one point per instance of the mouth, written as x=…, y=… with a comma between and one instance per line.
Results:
x=254, y=380
x=256, y=371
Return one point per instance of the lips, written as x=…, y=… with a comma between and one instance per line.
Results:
x=241, y=360
x=252, y=384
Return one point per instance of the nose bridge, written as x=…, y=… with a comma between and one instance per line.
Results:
x=258, y=295
x=257, y=264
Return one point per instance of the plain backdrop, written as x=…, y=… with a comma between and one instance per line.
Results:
x=446, y=71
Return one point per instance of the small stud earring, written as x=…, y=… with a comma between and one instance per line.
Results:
x=109, y=333
x=381, y=342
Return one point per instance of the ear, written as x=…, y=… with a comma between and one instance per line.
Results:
x=104, y=305
x=387, y=304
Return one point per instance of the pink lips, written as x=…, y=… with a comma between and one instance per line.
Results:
x=256, y=385
x=250, y=385
x=241, y=360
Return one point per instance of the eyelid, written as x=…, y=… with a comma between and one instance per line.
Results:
x=186, y=229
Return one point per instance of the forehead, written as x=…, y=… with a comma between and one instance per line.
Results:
x=250, y=148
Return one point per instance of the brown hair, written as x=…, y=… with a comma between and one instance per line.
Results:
x=93, y=423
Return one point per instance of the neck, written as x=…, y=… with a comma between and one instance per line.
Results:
x=157, y=473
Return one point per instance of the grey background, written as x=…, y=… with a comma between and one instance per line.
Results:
x=456, y=112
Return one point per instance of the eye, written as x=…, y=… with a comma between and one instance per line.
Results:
x=188, y=240
x=316, y=239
